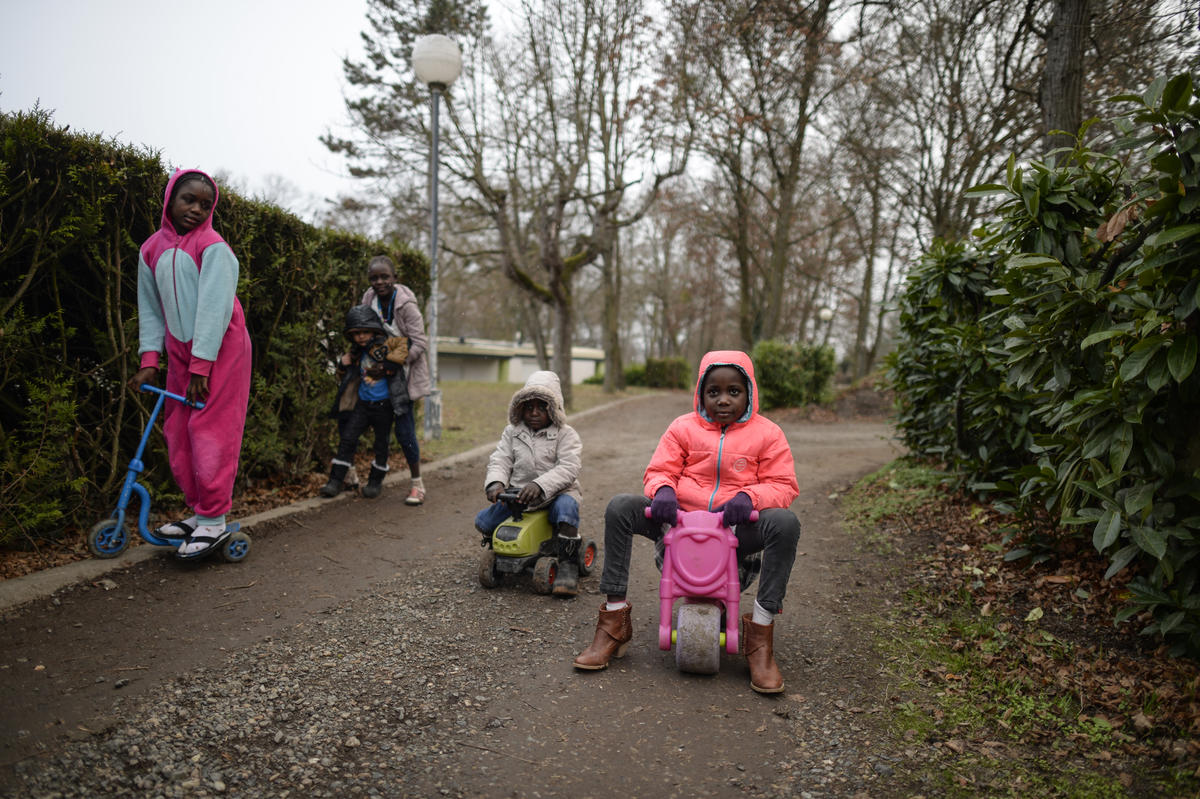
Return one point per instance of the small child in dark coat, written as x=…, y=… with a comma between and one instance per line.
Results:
x=371, y=393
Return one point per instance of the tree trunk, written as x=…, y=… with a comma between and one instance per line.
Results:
x=1061, y=91
x=564, y=323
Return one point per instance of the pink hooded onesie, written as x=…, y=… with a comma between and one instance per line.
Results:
x=186, y=296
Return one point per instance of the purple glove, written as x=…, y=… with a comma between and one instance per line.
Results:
x=737, y=509
x=664, y=508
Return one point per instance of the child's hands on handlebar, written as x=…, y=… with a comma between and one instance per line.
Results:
x=737, y=509
x=147, y=374
x=531, y=494
x=494, y=490
x=664, y=507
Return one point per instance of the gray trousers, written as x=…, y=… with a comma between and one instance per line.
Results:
x=775, y=534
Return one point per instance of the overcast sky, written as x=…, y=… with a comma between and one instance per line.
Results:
x=240, y=86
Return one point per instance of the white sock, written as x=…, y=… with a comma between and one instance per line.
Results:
x=210, y=521
x=616, y=605
x=416, y=482
x=762, y=615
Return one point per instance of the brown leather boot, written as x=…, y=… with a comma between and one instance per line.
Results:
x=613, y=631
x=758, y=645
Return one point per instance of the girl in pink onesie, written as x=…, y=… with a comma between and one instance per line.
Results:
x=187, y=279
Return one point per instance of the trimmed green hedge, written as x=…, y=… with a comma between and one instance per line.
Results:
x=792, y=375
x=1052, y=365
x=73, y=210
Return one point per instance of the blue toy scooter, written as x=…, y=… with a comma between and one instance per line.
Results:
x=110, y=537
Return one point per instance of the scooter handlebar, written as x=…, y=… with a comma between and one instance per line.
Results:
x=679, y=515
x=156, y=390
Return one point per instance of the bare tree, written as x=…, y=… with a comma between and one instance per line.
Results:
x=633, y=136
x=755, y=78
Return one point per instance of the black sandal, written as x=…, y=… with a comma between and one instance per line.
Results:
x=211, y=543
x=184, y=526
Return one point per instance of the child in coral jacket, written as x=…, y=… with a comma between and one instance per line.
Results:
x=723, y=456
x=187, y=302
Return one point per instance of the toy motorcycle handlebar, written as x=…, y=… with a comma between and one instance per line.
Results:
x=680, y=513
x=156, y=390
x=510, y=496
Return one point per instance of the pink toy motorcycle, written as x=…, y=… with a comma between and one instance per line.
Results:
x=700, y=567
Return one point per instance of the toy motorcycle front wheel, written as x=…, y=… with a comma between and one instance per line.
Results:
x=488, y=576
x=108, y=538
x=698, y=638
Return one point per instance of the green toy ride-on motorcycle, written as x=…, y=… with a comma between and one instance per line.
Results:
x=524, y=542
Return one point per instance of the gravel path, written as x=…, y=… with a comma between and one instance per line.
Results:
x=391, y=672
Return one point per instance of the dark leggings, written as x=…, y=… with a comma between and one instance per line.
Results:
x=775, y=534
x=406, y=434
x=376, y=415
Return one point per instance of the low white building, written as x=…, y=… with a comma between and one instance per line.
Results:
x=504, y=361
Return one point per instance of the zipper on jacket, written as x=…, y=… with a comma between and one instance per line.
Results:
x=720, y=454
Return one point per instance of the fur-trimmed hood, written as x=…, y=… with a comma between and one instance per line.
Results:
x=541, y=385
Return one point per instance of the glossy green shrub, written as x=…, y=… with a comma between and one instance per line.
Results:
x=1060, y=350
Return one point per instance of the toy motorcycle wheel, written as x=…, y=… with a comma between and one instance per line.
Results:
x=488, y=576
x=698, y=639
x=236, y=547
x=107, y=538
x=587, y=557
x=544, y=572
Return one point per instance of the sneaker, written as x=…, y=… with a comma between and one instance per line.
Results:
x=416, y=496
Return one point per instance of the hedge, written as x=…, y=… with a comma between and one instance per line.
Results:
x=1051, y=363
x=73, y=210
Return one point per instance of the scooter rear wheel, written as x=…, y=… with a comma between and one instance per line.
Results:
x=107, y=538
x=698, y=639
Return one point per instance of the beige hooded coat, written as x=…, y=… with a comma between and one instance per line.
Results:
x=550, y=457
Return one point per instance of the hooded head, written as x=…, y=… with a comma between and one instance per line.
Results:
x=200, y=235
x=739, y=361
x=363, y=317
x=544, y=386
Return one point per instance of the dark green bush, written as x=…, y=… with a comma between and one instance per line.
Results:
x=635, y=375
x=792, y=375
x=73, y=211
x=668, y=373
x=1052, y=365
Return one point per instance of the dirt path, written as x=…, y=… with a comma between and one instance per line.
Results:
x=493, y=705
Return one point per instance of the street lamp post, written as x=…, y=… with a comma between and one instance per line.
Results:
x=437, y=62
x=825, y=314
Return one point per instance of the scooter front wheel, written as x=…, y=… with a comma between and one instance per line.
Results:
x=108, y=538
x=236, y=547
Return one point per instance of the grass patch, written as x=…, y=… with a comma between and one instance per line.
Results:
x=898, y=488
x=475, y=412
x=1009, y=679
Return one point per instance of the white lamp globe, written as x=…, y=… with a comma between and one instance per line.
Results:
x=825, y=314
x=436, y=59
